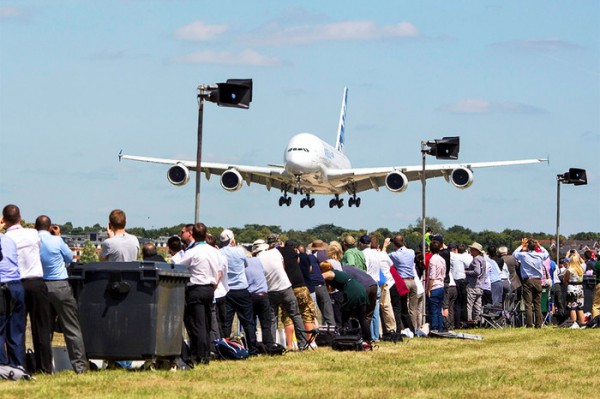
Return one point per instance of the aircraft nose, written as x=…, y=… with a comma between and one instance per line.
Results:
x=298, y=163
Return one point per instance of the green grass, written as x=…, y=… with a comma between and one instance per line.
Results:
x=508, y=363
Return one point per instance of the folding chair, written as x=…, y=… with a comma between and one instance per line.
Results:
x=514, y=310
x=493, y=317
x=310, y=335
x=548, y=309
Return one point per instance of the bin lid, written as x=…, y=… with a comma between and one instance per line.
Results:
x=161, y=268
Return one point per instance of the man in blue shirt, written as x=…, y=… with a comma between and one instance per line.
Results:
x=404, y=261
x=531, y=255
x=238, y=300
x=12, y=318
x=259, y=293
x=55, y=255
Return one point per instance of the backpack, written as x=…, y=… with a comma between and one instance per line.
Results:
x=230, y=350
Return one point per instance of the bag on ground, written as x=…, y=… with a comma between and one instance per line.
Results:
x=13, y=373
x=230, y=350
x=349, y=343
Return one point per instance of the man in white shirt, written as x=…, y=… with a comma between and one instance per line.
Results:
x=460, y=260
x=203, y=262
x=385, y=303
x=37, y=303
x=280, y=292
x=372, y=264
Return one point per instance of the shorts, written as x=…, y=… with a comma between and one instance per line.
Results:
x=305, y=305
x=575, y=297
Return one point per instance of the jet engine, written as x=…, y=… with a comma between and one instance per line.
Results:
x=178, y=175
x=396, y=182
x=231, y=180
x=461, y=178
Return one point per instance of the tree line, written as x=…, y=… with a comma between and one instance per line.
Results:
x=330, y=232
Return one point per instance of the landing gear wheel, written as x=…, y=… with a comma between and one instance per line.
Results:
x=311, y=202
x=357, y=202
x=281, y=201
x=288, y=202
x=351, y=202
x=302, y=202
x=340, y=203
x=332, y=202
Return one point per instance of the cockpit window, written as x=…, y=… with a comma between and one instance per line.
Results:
x=298, y=149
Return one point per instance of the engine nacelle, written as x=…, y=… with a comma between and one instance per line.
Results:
x=231, y=180
x=461, y=178
x=178, y=175
x=396, y=182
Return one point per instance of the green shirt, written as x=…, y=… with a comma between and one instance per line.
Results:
x=356, y=258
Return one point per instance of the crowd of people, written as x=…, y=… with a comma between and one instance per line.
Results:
x=386, y=292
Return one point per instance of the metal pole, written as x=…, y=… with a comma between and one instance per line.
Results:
x=199, y=157
x=423, y=183
x=558, y=219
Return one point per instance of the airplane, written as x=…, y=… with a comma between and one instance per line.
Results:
x=312, y=166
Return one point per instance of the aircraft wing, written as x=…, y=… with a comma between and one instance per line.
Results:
x=269, y=176
x=373, y=178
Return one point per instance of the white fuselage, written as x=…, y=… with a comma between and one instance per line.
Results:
x=309, y=157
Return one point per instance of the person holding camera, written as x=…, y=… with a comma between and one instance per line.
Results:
x=573, y=278
x=531, y=255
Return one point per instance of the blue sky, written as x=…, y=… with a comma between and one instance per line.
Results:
x=81, y=80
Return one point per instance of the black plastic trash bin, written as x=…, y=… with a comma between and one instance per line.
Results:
x=130, y=310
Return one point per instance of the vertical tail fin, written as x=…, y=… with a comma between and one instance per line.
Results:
x=339, y=142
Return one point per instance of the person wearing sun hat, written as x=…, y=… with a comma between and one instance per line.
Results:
x=352, y=255
x=318, y=249
x=476, y=275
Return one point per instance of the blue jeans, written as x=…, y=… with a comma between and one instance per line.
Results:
x=435, y=309
x=12, y=328
x=375, y=320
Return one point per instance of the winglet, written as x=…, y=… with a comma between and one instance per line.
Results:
x=341, y=137
x=548, y=159
x=120, y=155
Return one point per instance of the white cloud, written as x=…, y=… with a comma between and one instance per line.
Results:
x=336, y=31
x=548, y=44
x=245, y=58
x=482, y=106
x=199, y=31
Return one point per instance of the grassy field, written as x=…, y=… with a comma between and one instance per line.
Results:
x=552, y=362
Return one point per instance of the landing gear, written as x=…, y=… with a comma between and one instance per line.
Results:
x=284, y=199
x=337, y=201
x=310, y=202
x=354, y=200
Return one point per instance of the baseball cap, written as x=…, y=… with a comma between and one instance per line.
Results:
x=438, y=238
x=365, y=239
x=272, y=238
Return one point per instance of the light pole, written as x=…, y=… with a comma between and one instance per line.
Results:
x=236, y=93
x=574, y=176
x=445, y=148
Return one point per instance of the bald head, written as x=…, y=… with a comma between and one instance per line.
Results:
x=43, y=223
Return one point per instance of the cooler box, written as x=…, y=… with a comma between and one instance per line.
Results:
x=130, y=310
